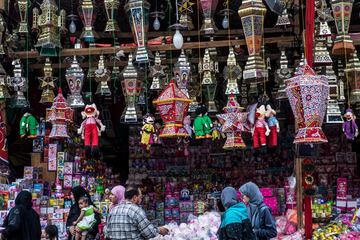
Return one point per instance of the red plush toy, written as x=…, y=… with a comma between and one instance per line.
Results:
x=261, y=128
x=91, y=129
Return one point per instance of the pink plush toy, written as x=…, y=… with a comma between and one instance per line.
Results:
x=261, y=128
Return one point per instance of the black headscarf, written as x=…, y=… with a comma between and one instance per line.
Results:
x=24, y=199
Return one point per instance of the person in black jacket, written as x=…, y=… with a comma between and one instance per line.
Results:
x=74, y=213
x=235, y=222
x=262, y=221
x=22, y=222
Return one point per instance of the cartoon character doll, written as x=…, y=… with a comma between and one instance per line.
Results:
x=349, y=126
x=273, y=125
x=261, y=128
x=147, y=131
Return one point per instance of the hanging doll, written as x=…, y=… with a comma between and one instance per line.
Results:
x=208, y=125
x=187, y=125
x=199, y=124
x=217, y=134
x=273, y=125
x=147, y=131
x=261, y=128
x=349, y=126
x=91, y=129
x=28, y=125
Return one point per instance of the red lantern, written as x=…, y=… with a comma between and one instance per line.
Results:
x=172, y=105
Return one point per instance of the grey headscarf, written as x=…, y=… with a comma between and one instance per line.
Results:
x=251, y=190
x=229, y=197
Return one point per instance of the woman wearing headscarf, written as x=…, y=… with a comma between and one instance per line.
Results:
x=116, y=196
x=262, y=221
x=22, y=222
x=235, y=222
x=74, y=213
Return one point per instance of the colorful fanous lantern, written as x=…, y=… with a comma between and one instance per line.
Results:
x=308, y=94
x=172, y=105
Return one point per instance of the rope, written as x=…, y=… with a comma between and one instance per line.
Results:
x=59, y=4
x=199, y=46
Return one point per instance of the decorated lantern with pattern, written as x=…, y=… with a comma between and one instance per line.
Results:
x=172, y=105
x=308, y=94
x=59, y=115
x=87, y=13
x=208, y=8
x=47, y=83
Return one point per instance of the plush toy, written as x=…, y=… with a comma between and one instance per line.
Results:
x=91, y=129
x=349, y=126
x=261, y=128
x=28, y=125
x=217, y=133
x=199, y=126
x=273, y=125
x=147, y=131
x=208, y=125
x=187, y=125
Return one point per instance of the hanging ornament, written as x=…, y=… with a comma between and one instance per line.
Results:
x=182, y=73
x=75, y=78
x=353, y=75
x=59, y=115
x=23, y=11
x=273, y=124
x=226, y=14
x=232, y=74
x=283, y=18
x=321, y=54
x=208, y=68
x=4, y=79
x=333, y=112
x=172, y=105
x=148, y=131
x=111, y=7
x=341, y=80
x=2, y=34
x=185, y=8
x=308, y=94
x=194, y=90
x=323, y=17
x=283, y=73
x=47, y=84
x=48, y=42
x=343, y=43
x=87, y=13
x=243, y=94
x=252, y=13
x=157, y=15
x=157, y=74
x=233, y=124
x=138, y=12
x=350, y=127
x=131, y=87
x=102, y=76
x=19, y=84
x=208, y=8
x=261, y=128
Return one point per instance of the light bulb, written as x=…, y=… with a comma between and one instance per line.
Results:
x=72, y=27
x=178, y=39
x=156, y=24
x=225, y=22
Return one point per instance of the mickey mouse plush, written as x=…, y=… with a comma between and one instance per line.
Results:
x=91, y=129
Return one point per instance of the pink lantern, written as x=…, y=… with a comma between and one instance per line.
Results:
x=59, y=115
x=172, y=105
x=233, y=123
x=308, y=94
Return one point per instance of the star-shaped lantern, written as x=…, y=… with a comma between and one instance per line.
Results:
x=232, y=74
x=157, y=73
x=233, y=124
x=185, y=7
x=47, y=84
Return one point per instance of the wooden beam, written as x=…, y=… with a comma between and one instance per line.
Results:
x=299, y=190
x=166, y=47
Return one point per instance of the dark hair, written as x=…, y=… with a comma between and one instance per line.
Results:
x=52, y=231
x=131, y=191
x=85, y=199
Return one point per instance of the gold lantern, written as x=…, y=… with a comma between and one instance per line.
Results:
x=111, y=7
x=102, y=76
x=185, y=9
x=87, y=12
x=157, y=74
x=23, y=10
x=252, y=13
x=208, y=8
x=47, y=84
x=232, y=74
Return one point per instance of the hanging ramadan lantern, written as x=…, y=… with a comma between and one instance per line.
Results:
x=138, y=12
x=102, y=76
x=59, y=115
x=321, y=54
x=131, y=87
x=343, y=43
x=226, y=13
x=157, y=74
x=87, y=13
x=233, y=124
x=75, y=78
x=48, y=42
x=353, y=75
x=172, y=105
x=2, y=34
x=111, y=7
x=182, y=72
x=194, y=90
x=232, y=74
x=308, y=94
x=19, y=84
x=283, y=73
x=252, y=14
x=185, y=9
x=208, y=9
x=208, y=68
x=323, y=17
x=4, y=93
x=333, y=112
x=23, y=11
x=47, y=84
x=283, y=18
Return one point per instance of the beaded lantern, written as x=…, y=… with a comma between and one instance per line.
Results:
x=233, y=124
x=59, y=115
x=308, y=94
x=182, y=72
x=172, y=105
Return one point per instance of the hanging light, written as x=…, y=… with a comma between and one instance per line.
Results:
x=72, y=27
x=156, y=24
x=178, y=39
x=226, y=13
x=225, y=22
x=157, y=15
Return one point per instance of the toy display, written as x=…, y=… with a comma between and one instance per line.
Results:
x=350, y=128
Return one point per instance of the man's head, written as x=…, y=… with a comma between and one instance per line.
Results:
x=133, y=194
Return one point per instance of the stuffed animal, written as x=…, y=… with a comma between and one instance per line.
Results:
x=199, y=126
x=349, y=126
x=28, y=125
x=261, y=128
x=273, y=125
x=217, y=134
x=91, y=129
x=208, y=125
x=147, y=131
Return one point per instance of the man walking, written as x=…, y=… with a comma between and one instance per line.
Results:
x=128, y=221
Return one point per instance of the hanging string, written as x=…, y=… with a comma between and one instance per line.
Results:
x=146, y=81
x=199, y=48
x=229, y=27
x=27, y=53
x=171, y=56
x=114, y=78
x=90, y=74
x=263, y=58
x=59, y=4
